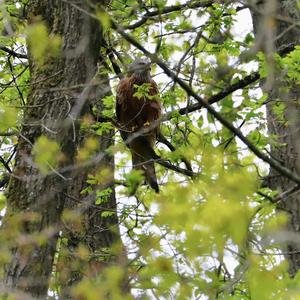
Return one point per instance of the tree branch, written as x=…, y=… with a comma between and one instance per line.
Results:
x=177, y=169
x=169, y=9
x=217, y=97
x=13, y=53
x=5, y=164
x=4, y=180
x=282, y=196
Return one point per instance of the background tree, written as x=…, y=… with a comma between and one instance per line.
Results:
x=282, y=35
x=212, y=232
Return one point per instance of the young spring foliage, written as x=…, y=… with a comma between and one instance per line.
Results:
x=214, y=236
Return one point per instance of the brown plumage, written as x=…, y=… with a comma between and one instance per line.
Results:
x=135, y=114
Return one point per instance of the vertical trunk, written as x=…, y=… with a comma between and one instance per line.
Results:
x=35, y=201
x=96, y=233
x=274, y=30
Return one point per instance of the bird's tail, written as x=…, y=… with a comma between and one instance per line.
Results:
x=142, y=159
x=150, y=175
x=147, y=167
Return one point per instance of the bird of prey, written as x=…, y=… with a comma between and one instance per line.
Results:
x=138, y=116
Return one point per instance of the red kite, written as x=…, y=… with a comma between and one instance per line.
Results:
x=137, y=109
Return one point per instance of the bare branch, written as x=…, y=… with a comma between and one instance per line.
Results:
x=4, y=180
x=13, y=53
x=177, y=169
x=219, y=96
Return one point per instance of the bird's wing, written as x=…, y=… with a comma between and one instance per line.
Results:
x=122, y=94
x=123, y=98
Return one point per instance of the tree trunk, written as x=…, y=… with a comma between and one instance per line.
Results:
x=57, y=99
x=275, y=29
x=98, y=234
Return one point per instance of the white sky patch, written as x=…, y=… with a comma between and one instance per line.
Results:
x=243, y=25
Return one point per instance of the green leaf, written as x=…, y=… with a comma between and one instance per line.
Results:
x=107, y=214
x=103, y=196
x=143, y=91
x=46, y=154
x=42, y=45
x=8, y=118
x=133, y=179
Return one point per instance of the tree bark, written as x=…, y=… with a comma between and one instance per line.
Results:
x=98, y=234
x=275, y=27
x=58, y=98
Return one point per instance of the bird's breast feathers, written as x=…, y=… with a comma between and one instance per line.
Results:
x=133, y=111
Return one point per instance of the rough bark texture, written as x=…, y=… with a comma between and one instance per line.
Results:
x=97, y=234
x=275, y=28
x=36, y=201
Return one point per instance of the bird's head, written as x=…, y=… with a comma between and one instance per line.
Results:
x=141, y=68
